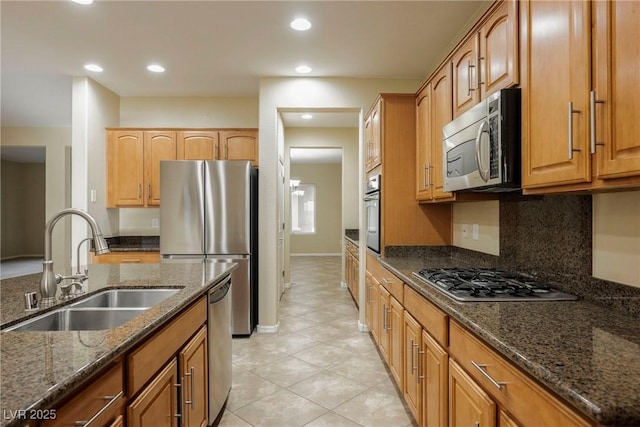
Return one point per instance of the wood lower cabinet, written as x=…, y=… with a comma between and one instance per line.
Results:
x=157, y=404
x=352, y=270
x=193, y=366
x=469, y=405
x=504, y=420
x=126, y=258
x=102, y=401
x=396, y=341
x=435, y=383
x=384, y=328
x=412, y=347
x=372, y=288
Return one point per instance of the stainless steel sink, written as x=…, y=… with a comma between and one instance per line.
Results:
x=78, y=319
x=126, y=298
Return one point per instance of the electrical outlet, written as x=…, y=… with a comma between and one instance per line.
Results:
x=155, y=223
x=475, y=232
x=465, y=231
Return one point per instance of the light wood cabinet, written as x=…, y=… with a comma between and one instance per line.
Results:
x=198, y=145
x=424, y=144
x=396, y=341
x=498, y=64
x=157, y=404
x=469, y=405
x=373, y=139
x=103, y=398
x=504, y=420
x=239, y=145
x=579, y=103
x=133, y=166
x=193, y=366
x=435, y=383
x=384, y=328
x=352, y=270
x=372, y=288
x=464, y=63
x=412, y=347
x=126, y=258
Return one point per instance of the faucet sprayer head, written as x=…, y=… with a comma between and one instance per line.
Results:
x=100, y=244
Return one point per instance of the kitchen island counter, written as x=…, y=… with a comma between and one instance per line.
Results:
x=38, y=369
x=587, y=354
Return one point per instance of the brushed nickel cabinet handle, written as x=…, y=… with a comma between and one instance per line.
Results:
x=191, y=376
x=469, y=67
x=112, y=400
x=592, y=110
x=570, y=113
x=483, y=371
x=420, y=373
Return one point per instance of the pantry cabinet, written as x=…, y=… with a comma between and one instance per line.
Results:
x=133, y=166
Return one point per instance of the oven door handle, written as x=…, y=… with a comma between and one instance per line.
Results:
x=484, y=174
x=372, y=198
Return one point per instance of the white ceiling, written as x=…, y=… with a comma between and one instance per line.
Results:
x=209, y=48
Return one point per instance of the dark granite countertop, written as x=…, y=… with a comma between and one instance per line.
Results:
x=586, y=353
x=40, y=368
x=134, y=243
x=352, y=234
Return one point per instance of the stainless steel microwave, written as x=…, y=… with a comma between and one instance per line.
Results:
x=481, y=148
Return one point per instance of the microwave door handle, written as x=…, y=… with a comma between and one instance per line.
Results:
x=484, y=174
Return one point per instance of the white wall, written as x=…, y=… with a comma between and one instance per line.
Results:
x=57, y=141
x=276, y=93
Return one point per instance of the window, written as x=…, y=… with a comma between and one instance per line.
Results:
x=303, y=208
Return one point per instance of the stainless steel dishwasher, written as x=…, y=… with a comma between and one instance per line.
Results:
x=219, y=347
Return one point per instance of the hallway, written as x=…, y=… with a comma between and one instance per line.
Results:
x=319, y=370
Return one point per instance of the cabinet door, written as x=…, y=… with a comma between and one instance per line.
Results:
x=376, y=123
x=374, y=292
x=396, y=344
x=368, y=144
x=239, y=145
x=412, y=345
x=441, y=104
x=504, y=420
x=158, y=146
x=555, y=55
x=615, y=53
x=435, y=383
x=125, y=166
x=157, y=404
x=465, y=76
x=192, y=361
x=469, y=405
x=423, y=144
x=197, y=145
x=498, y=61
x=384, y=331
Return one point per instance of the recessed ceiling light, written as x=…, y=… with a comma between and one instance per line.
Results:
x=155, y=68
x=93, y=67
x=300, y=24
x=82, y=1
x=303, y=69
x=307, y=116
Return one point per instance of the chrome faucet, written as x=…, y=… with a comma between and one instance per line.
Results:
x=49, y=280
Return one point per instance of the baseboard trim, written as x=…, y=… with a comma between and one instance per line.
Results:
x=261, y=329
x=327, y=254
x=362, y=327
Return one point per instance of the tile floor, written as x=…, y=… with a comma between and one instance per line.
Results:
x=319, y=370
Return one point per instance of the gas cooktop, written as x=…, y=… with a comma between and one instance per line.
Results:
x=481, y=284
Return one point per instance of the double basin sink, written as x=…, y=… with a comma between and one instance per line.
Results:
x=104, y=310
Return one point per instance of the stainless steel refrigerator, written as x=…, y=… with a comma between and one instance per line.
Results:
x=208, y=210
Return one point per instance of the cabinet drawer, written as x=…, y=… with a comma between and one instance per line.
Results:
x=385, y=277
x=154, y=353
x=432, y=319
x=105, y=393
x=126, y=258
x=521, y=396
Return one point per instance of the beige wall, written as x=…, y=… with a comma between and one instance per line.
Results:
x=23, y=218
x=301, y=93
x=197, y=112
x=616, y=237
x=329, y=233
x=616, y=233
x=57, y=143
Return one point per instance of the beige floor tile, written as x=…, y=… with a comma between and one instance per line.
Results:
x=372, y=408
x=328, y=389
x=291, y=343
x=325, y=356
x=230, y=420
x=287, y=372
x=331, y=419
x=250, y=358
x=248, y=387
x=295, y=323
x=367, y=371
x=283, y=409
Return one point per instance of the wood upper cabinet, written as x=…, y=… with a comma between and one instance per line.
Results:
x=441, y=114
x=469, y=405
x=555, y=92
x=464, y=61
x=158, y=146
x=498, y=63
x=157, y=404
x=239, y=145
x=373, y=137
x=198, y=145
x=616, y=95
x=193, y=365
x=125, y=168
x=133, y=166
x=424, y=160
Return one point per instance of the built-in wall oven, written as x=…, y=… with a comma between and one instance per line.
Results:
x=372, y=209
